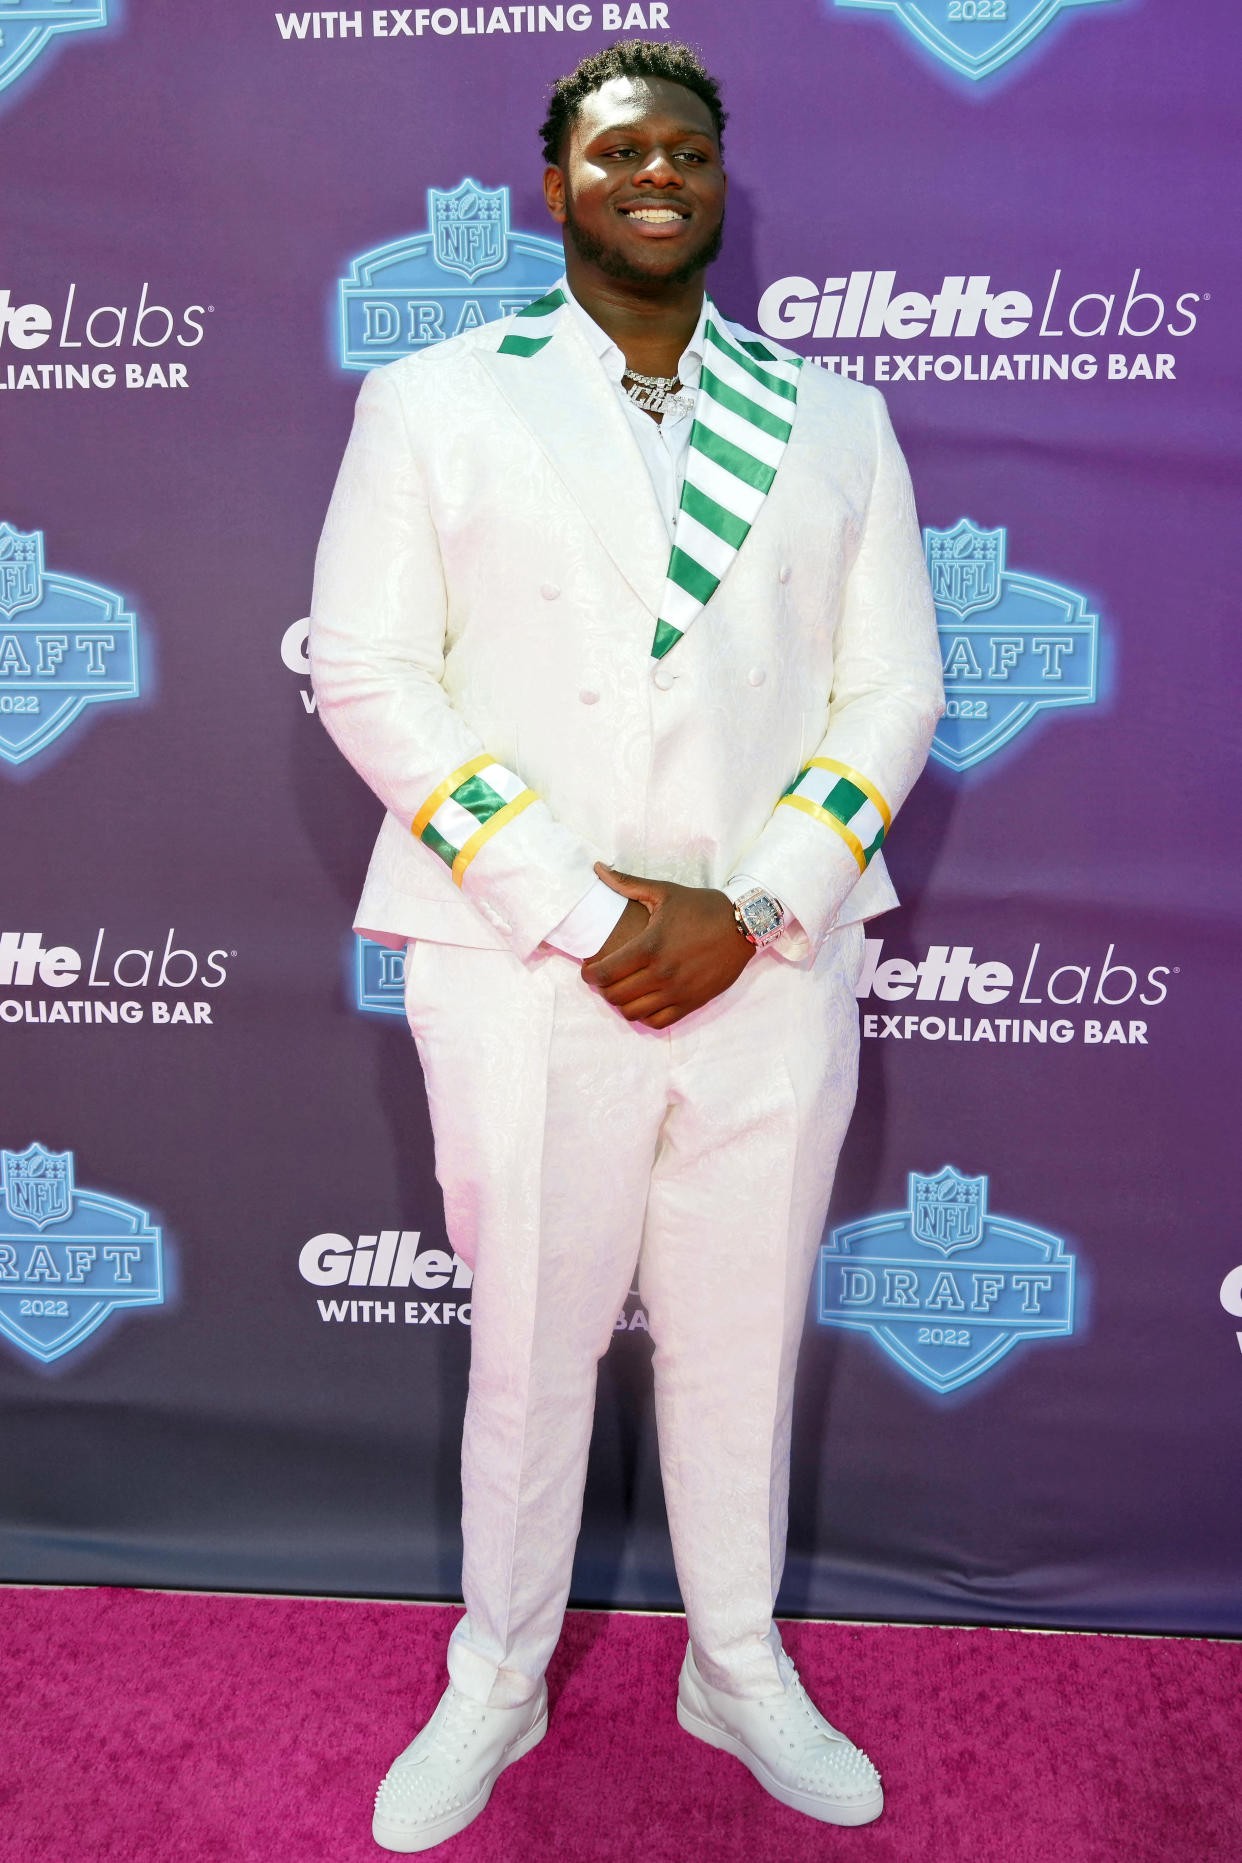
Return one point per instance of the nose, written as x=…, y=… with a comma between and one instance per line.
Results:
x=659, y=170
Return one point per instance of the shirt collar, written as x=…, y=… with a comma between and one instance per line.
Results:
x=614, y=360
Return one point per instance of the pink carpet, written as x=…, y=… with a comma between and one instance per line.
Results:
x=140, y=1727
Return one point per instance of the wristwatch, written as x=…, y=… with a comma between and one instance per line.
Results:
x=759, y=916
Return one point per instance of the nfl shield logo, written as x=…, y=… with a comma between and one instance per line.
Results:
x=974, y=37
x=946, y=1211
x=966, y=565
x=21, y=570
x=469, y=228
x=38, y=1185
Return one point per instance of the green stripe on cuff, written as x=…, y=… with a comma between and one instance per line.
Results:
x=438, y=845
x=479, y=798
x=843, y=800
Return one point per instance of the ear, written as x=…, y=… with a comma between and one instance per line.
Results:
x=554, y=192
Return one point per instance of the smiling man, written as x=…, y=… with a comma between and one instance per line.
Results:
x=622, y=613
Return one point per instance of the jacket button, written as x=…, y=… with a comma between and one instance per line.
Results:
x=549, y=591
x=588, y=697
x=784, y=572
x=756, y=676
x=663, y=678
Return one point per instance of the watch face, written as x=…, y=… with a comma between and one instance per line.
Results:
x=762, y=916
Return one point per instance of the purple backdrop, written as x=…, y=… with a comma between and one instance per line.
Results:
x=1022, y=1386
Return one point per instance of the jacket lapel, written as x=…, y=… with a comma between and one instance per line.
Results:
x=743, y=419
x=546, y=372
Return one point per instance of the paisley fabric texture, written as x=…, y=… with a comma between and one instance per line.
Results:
x=575, y=1150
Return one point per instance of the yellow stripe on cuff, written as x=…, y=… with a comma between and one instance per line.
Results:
x=825, y=815
x=445, y=790
x=485, y=833
x=859, y=781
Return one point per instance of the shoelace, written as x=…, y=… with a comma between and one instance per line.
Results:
x=457, y=1725
x=807, y=1737
x=449, y=1741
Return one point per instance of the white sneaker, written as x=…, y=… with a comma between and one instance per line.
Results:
x=787, y=1744
x=444, y=1778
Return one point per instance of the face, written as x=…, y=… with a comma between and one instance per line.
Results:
x=640, y=188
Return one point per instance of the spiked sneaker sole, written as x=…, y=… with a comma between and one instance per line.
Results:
x=862, y=1810
x=395, y=1834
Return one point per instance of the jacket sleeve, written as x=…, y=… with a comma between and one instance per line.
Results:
x=378, y=618
x=887, y=694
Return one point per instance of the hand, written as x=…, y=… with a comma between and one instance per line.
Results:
x=688, y=951
x=634, y=919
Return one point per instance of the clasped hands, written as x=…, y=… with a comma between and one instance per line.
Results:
x=673, y=949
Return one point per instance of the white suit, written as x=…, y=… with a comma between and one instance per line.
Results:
x=486, y=592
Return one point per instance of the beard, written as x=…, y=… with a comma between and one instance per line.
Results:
x=614, y=264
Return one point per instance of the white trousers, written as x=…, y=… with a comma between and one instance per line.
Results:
x=571, y=1146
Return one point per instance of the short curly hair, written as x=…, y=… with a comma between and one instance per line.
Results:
x=628, y=58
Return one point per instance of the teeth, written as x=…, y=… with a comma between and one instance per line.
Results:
x=658, y=216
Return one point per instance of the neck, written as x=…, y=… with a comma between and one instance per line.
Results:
x=650, y=325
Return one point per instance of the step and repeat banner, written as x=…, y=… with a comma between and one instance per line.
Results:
x=233, y=1339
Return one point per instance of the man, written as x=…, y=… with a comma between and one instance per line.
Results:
x=622, y=613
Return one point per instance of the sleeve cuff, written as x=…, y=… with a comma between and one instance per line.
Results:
x=587, y=925
x=792, y=943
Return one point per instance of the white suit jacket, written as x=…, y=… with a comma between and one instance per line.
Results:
x=486, y=591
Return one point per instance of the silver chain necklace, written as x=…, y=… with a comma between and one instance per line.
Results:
x=657, y=394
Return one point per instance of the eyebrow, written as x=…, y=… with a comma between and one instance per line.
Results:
x=683, y=132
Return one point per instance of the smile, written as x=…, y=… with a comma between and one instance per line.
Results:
x=655, y=216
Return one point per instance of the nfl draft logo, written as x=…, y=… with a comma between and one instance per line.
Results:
x=64, y=644
x=378, y=978
x=403, y=297
x=28, y=27
x=68, y=1257
x=974, y=37
x=945, y=1287
x=1011, y=645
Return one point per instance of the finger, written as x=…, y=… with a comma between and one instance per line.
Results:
x=602, y=973
x=635, y=989
x=648, y=975
x=647, y=892
x=644, y=1007
x=664, y=1018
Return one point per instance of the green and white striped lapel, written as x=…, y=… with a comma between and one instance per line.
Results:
x=517, y=343
x=743, y=420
